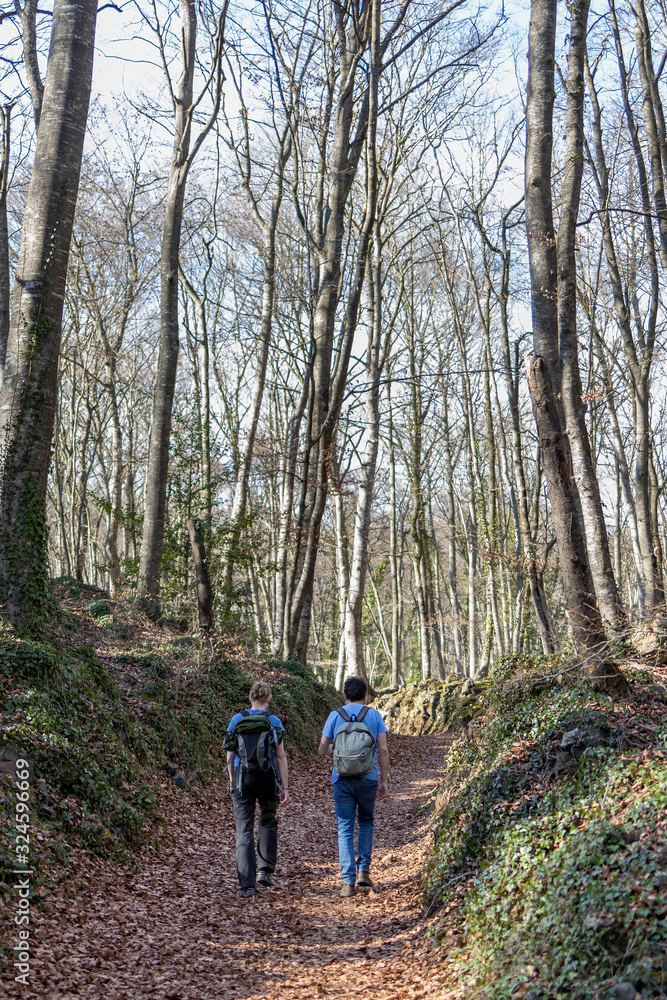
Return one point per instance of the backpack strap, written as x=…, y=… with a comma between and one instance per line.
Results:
x=244, y=712
x=362, y=713
x=341, y=711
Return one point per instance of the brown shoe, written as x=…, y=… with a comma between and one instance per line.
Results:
x=347, y=891
x=364, y=880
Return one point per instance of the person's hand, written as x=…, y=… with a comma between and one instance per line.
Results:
x=383, y=790
x=284, y=798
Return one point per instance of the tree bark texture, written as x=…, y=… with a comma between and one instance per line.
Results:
x=240, y=500
x=345, y=156
x=639, y=356
x=597, y=543
x=539, y=210
x=5, y=127
x=583, y=614
x=30, y=376
x=357, y=583
x=204, y=595
x=152, y=542
x=30, y=61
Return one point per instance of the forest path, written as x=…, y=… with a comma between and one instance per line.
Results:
x=179, y=930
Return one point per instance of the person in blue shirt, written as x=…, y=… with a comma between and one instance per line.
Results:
x=354, y=798
x=259, y=788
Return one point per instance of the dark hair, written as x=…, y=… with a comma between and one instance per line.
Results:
x=355, y=689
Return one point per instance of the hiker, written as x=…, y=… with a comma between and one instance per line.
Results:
x=357, y=737
x=257, y=768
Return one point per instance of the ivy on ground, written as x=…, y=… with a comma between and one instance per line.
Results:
x=566, y=873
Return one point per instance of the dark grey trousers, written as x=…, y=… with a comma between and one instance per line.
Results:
x=260, y=790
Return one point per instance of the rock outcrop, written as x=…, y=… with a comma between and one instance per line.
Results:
x=428, y=706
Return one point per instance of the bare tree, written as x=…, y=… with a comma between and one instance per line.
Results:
x=30, y=375
x=184, y=105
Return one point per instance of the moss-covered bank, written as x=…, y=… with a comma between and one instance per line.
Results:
x=100, y=720
x=551, y=839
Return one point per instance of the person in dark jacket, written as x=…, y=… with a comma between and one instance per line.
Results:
x=267, y=788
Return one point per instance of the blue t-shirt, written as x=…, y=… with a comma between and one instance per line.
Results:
x=372, y=719
x=273, y=719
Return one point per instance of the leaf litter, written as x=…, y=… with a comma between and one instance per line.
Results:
x=178, y=929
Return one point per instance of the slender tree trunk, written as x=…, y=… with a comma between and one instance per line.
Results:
x=30, y=61
x=204, y=595
x=5, y=137
x=597, y=544
x=345, y=156
x=342, y=565
x=28, y=395
x=639, y=361
x=240, y=501
x=116, y=484
x=452, y=578
x=289, y=466
x=393, y=552
x=584, y=616
x=526, y=542
x=359, y=566
x=623, y=472
x=155, y=504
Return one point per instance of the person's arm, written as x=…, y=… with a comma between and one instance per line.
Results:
x=383, y=763
x=326, y=743
x=230, y=767
x=281, y=761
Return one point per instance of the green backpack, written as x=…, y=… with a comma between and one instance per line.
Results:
x=353, y=746
x=253, y=740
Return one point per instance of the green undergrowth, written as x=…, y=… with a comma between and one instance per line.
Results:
x=99, y=721
x=552, y=872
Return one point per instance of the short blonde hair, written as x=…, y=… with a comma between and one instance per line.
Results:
x=261, y=692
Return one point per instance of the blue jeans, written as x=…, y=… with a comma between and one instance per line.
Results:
x=354, y=798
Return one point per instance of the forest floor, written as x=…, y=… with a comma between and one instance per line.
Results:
x=178, y=929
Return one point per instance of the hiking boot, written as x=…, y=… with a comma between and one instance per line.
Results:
x=347, y=891
x=364, y=880
x=247, y=893
x=264, y=880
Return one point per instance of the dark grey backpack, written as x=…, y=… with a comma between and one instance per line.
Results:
x=353, y=746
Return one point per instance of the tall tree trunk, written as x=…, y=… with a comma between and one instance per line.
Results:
x=240, y=500
x=396, y=663
x=452, y=578
x=342, y=565
x=639, y=360
x=584, y=616
x=346, y=153
x=358, y=569
x=525, y=541
x=28, y=395
x=155, y=504
x=597, y=544
x=5, y=137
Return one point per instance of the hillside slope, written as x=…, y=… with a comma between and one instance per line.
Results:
x=99, y=706
x=550, y=859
